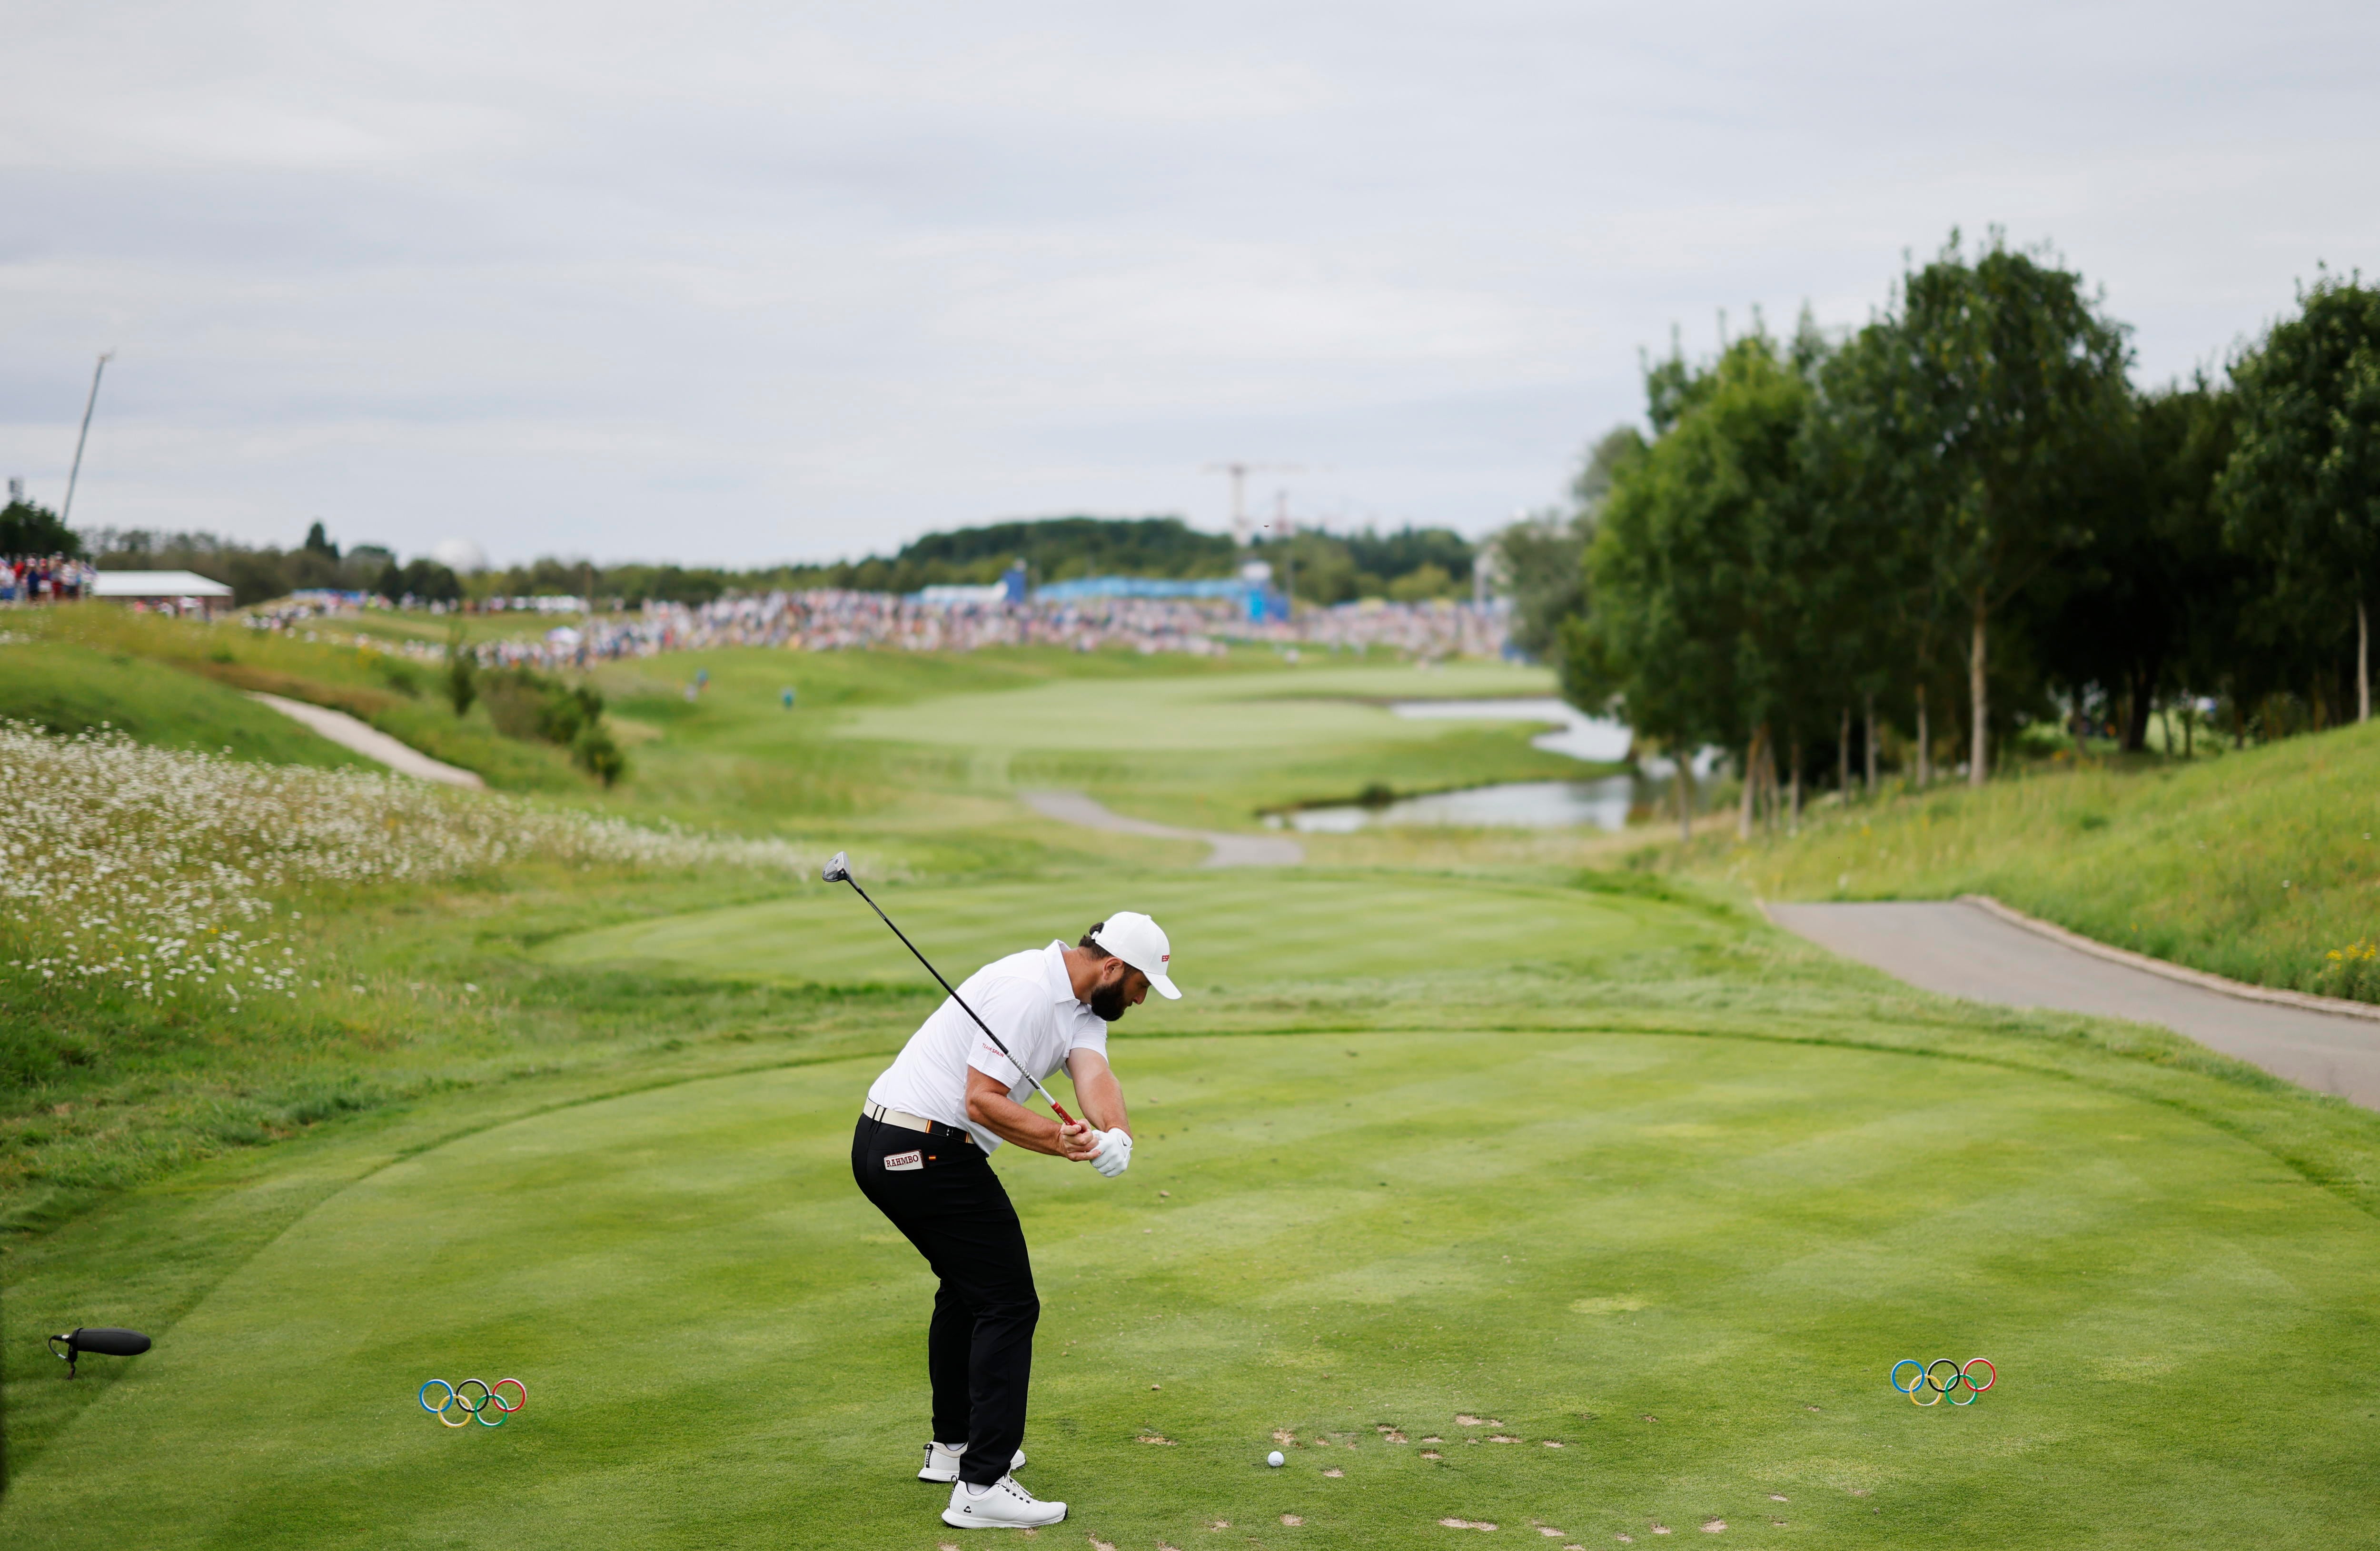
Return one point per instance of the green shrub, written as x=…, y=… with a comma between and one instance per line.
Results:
x=533, y=708
x=462, y=677
x=398, y=675
x=593, y=751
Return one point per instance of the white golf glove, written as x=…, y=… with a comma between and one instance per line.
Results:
x=1115, y=1155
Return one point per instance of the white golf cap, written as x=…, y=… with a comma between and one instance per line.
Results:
x=1140, y=942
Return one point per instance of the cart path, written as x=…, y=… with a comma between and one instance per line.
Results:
x=1962, y=950
x=370, y=742
x=1229, y=850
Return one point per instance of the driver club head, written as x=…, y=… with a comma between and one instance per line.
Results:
x=838, y=868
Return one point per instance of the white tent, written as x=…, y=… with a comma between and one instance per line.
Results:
x=168, y=584
x=180, y=591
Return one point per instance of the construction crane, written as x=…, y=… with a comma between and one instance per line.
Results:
x=1241, y=531
x=67, y=510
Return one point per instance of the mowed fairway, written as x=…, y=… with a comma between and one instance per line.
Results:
x=1686, y=1261
x=1249, y=929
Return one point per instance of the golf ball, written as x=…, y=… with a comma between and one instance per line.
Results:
x=1273, y=1459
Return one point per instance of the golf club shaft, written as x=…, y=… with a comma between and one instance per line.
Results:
x=960, y=999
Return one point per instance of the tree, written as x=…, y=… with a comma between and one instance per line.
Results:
x=461, y=673
x=2303, y=485
x=2150, y=602
x=1544, y=556
x=2001, y=387
x=1888, y=632
x=29, y=529
x=1698, y=565
x=424, y=580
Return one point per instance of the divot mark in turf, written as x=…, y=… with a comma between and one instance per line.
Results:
x=1220, y=1524
x=1099, y=1545
x=1554, y=1443
x=1335, y=1473
x=1433, y=1438
x=1291, y=1519
x=1468, y=1523
x=1431, y=1454
x=1154, y=1437
x=1387, y=1432
x=1503, y=1437
x=1775, y=1498
x=1283, y=1437
x=1660, y=1528
x=1486, y=1422
x=1716, y=1526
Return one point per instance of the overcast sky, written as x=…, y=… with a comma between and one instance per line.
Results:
x=719, y=283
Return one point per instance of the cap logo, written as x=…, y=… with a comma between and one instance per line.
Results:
x=1165, y=958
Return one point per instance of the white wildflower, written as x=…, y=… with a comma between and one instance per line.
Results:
x=135, y=864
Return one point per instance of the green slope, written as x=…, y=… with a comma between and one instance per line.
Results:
x=2255, y=866
x=69, y=689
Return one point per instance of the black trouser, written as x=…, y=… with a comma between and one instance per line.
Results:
x=979, y=1347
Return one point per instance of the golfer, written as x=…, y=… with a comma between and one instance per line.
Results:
x=923, y=1155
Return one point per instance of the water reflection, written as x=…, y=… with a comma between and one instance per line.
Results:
x=1607, y=803
x=1598, y=739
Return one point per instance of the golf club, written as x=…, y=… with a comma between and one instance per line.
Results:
x=838, y=870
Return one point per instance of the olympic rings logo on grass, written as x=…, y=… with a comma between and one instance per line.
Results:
x=456, y=1409
x=1926, y=1381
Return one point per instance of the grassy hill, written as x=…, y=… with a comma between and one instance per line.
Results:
x=352, y=671
x=69, y=688
x=2259, y=864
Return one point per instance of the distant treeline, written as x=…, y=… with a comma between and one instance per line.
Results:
x=1329, y=568
x=1963, y=521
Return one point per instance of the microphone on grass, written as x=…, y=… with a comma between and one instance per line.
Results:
x=107, y=1340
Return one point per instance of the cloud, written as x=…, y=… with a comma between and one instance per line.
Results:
x=740, y=282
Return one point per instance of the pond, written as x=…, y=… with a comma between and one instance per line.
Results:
x=1605, y=804
x=1515, y=805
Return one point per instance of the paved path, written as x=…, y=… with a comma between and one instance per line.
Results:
x=348, y=732
x=1230, y=850
x=1964, y=951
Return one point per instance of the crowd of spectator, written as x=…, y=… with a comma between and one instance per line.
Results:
x=836, y=620
x=35, y=579
x=830, y=620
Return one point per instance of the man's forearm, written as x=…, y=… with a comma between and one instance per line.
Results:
x=1102, y=1101
x=1010, y=1122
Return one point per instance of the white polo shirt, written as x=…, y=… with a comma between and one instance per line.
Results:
x=1031, y=1005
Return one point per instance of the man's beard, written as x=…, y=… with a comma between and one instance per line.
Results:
x=1108, y=1001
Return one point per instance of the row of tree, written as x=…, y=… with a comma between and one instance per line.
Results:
x=1327, y=567
x=1965, y=514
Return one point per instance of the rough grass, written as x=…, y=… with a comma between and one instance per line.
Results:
x=2256, y=866
x=394, y=694
x=63, y=687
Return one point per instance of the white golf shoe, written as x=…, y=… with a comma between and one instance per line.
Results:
x=942, y=1463
x=1002, y=1505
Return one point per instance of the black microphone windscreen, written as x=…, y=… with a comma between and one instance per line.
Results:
x=111, y=1343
